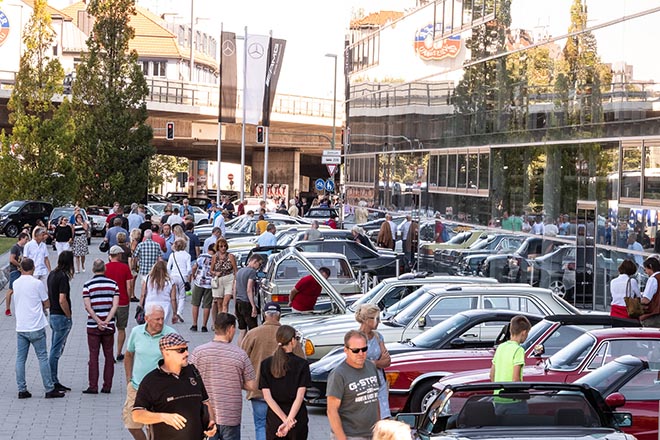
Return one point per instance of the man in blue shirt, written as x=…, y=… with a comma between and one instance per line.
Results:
x=268, y=238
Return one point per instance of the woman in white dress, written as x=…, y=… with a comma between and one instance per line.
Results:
x=179, y=268
x=159, y=289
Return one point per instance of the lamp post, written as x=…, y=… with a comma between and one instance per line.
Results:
x=334, y=99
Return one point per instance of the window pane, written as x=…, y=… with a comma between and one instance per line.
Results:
x=473, y=171
x=632, y=165
x=451, y=171
x=652, y=171
x=433, y=171
x=462, y=171
x=484, y=165
x=442, y=170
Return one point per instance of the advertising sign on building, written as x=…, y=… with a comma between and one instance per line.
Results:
x=435, y=49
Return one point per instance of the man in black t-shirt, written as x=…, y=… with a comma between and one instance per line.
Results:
x=15, y=255
x=59, y=295
x=172, y=398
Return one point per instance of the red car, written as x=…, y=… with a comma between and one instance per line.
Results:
x=411, y=376
x=631, y=385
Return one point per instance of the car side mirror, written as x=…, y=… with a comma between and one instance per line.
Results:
x=615, y=400
x=409, y=419
x=457, y=343
x=623, y=420
x=421, y=322
x=539, y=350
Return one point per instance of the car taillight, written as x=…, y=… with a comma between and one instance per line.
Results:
x=391, y=377
x=309, y=347
x=280, y=298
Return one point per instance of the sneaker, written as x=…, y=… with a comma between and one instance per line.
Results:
x=60, y=387
x=24, y=394
x=54, y=394
x=180, y=318
x=120, y=357
x=90, y=391
x=105, y=390
x=193, y=328
x=135, y=300
x=205, y=330
x=7, y=312
x=83, y=271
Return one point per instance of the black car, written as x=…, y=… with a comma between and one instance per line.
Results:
x=448, y=260
x=17, y=213
x=546, y=410
x=480, y=328
x=362, y=259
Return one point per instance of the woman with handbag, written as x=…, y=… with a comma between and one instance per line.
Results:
x=223, y=271
x=135, y=239
x=179, y=268
x=622, y=287
x=159, y=289
x=80, y=247
x=651, y=297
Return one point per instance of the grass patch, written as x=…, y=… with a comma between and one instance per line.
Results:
x=6, y=243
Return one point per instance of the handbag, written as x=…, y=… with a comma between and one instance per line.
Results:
x=139, y=315
x=104, y=246
x=215, y=282
x=186, y=284
x=633, y=303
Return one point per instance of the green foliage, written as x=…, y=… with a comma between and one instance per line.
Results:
x=109, y=95
x=163, y=169
x=34, y=161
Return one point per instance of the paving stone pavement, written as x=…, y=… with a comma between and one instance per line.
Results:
x=82, y=416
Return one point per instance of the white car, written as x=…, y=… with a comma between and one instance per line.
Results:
x=156, y=211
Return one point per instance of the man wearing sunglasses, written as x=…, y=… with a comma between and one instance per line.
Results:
x=352, y=393
x=172, y=398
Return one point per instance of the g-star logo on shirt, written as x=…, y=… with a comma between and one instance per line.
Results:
x=362, y=384
x=193, y=382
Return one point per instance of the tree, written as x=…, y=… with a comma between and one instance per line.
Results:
x=163, y=169
x=112, y=139
x=34, y=161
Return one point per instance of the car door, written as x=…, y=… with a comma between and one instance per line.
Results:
x=442, y=308
x=641, y=395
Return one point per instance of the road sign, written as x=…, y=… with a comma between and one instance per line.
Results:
x=331, y=169
x=330, y=160
x=319, y=184
x=230, y=176
x=330, y=185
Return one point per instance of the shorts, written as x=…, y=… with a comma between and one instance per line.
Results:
x=244, y=315
x=201, y=295
x=121, y=317
x=225, y=287
x=127, y=411
x=13, y=276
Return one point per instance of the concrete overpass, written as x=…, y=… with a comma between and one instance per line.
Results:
x=301, y=128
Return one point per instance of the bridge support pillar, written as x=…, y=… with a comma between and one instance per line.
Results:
x=283, y=168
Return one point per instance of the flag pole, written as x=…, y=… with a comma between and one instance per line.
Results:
x=219, y=153
x=267, y=126
x=242, y=183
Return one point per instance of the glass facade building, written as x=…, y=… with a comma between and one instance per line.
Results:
x=475, y=108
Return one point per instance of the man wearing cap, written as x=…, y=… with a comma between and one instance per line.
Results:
x=142, y=356
x=172, y=398
x=259, y=344
x=227, y=371
x=120, y=273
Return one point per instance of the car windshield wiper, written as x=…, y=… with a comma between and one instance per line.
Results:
x=411, y=343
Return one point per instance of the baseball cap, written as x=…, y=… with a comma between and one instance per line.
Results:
x=272, y=307
x=114, y=250
x=171, y=340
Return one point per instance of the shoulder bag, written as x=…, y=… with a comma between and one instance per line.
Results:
x=104, y=246
x=633, y=303
x=186, y=284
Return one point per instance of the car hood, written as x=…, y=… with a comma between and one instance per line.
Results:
x=334, y=336
x=531, y=433
x=419, y=357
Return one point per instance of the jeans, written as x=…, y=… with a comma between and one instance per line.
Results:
x=227, y=433
x=61, y=326
x=95, y=340
x=259, y=411
x=38, y=340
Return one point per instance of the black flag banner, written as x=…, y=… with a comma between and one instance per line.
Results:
x=275, y=56
x=228, y=78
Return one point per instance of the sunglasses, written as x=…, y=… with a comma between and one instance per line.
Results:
x=181, y=350
x=357, y=350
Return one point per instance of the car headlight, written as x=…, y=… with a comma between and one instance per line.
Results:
x=3, y=217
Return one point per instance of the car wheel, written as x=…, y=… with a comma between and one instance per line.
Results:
x=423, y=395
x=11, y=230
x=558, y=288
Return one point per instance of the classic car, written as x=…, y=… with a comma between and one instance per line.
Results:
x=448, y=260
x=461, y=240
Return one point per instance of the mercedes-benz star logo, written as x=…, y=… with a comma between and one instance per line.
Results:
x=228, y=48
x=256, y=50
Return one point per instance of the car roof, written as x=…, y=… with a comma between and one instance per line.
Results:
x=498, y=313
x=336, y=255
x=491, y=288
x=592, y=318
x=454, y=279
x=629, y=332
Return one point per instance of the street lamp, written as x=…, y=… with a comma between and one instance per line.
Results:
x=334, y=99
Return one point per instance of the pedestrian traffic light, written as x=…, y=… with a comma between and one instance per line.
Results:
x=260, y=134
x=169, y=131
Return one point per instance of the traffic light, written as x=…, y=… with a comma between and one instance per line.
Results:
x=260, y=134
x=169, y=131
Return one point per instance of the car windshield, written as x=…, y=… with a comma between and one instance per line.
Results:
x=570, y=357
x=12, y=207
x=535, y=333
x=403, y=303
x=606, y=376
x=368, y=297
x=477, y=409
x=439, y=333
x=339, y=269
x=412, y=310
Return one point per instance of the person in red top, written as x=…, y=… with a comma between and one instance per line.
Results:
x=304, y=294
x=121, y=274
x=158, y=238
